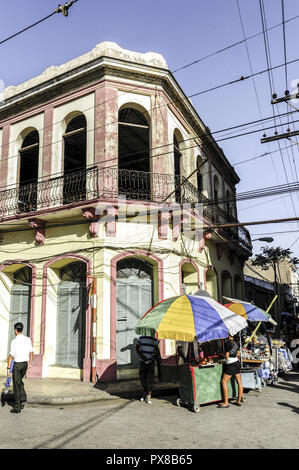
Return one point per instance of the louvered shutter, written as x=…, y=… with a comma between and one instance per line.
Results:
x=69, y=324
x=19, y=310
x=134, y=298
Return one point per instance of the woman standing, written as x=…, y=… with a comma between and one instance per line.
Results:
x=232, y=367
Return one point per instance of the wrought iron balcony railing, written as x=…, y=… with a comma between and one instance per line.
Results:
x=110, y=183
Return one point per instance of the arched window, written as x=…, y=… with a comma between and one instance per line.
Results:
x=226, y=284
x=134, y=296
x=28, y=172
x=74, y=165
x=133, y=154
x=177, y=155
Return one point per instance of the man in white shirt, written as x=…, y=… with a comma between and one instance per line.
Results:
x=22, y=352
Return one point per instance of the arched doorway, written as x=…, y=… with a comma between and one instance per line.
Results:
x=211, y=283
x=74, y=165
x=20, y=303
x=133, y=154
x=226, y=284
x=28, y=172
x=238, y=288
x=177, y=160
x=71, y=309
x=134, y=296
x=189, y=279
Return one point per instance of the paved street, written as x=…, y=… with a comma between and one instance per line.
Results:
x=268, y=419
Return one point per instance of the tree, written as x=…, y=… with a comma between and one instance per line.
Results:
x=272, y=257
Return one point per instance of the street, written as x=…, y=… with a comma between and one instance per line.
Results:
x=266, y=420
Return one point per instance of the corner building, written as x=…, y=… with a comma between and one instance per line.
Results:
x=85, y=148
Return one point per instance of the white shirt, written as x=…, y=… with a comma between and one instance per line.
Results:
x=20, y=348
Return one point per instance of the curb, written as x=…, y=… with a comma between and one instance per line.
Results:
x=67, y=400
x=81, y=399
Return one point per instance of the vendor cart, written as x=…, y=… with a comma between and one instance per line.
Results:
x=200, y=385
x=250, y=374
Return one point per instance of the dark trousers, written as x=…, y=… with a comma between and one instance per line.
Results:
x=146, y=375
x=19, y=370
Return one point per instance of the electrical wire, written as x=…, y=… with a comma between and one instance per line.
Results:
x=58, y=10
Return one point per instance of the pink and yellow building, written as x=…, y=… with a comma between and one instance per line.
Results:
x=87, y=150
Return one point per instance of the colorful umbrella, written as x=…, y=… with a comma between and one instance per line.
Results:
x=249, y=311
x=186, y=316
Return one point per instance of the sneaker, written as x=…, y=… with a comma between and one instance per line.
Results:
x=143, y=398
x=148, y=400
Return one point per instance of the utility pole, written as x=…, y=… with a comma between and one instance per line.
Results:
x=276, y=100
x=93, y=327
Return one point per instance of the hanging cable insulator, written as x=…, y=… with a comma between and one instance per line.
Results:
x=287, y=92
x=64, y=9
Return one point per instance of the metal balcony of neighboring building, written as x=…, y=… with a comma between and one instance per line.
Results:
x=98, y=183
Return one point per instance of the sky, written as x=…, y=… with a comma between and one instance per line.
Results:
x=185, y=32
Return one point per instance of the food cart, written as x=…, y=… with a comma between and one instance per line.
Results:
x=193, y=319
x=200, y=385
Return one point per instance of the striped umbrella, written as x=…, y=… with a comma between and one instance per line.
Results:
x=249, y=311
x=186, y=316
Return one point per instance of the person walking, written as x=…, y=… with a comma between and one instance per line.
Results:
x=148, y=351
x=21, y=351
x=232, y=367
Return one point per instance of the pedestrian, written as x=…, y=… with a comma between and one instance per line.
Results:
x=147, y=348
x=21, y=351
x=232, y=368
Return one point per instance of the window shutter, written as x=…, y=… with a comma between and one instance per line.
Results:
x=134, y=299
x=69, y=325
x=19, y=310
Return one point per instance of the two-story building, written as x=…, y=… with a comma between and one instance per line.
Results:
x=85, y=148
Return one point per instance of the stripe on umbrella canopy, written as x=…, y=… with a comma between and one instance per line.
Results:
x=249, y=311
x=150, y=322
x=255, y=313
x=178, y=322
x=237, y=308
x=208, y=323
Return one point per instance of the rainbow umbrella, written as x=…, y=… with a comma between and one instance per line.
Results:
x=186, y=316
x=249, y=311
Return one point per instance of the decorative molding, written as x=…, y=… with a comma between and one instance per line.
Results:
x=163, y=224
x=206, y=237
x=40, y=230
x=89, y=213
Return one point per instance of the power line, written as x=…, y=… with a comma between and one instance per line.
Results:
x=60, y=9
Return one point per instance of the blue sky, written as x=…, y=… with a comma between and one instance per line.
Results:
x=184, y=32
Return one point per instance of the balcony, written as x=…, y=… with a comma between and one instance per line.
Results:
x=110, y=183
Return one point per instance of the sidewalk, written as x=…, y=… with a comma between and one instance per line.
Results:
x=63, y=391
